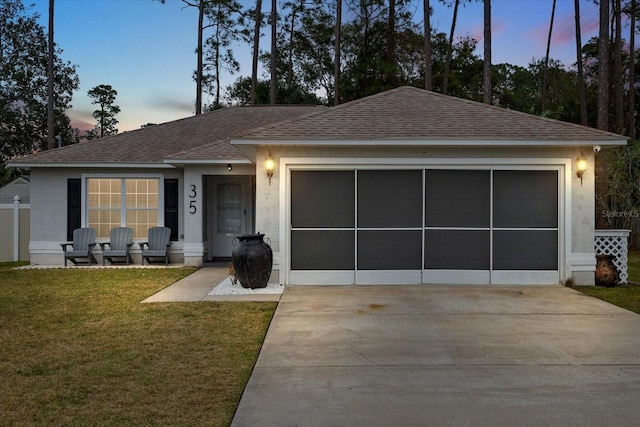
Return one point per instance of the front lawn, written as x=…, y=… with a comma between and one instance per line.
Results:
x=625, y=296
x=78, y=348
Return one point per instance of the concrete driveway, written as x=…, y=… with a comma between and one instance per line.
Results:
x=445, y=356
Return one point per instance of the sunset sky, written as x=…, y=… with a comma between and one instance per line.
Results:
x=145, y=49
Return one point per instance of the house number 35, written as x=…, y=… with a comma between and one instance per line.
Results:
x=192, y=202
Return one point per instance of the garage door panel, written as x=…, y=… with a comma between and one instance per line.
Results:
x=524, y=198
x=322, y=277
x=525, y=250
x=388, y=277
x=457, y=277
x=457, y=198
x=390, y=250
x=525, y=277
x=457, y=250
x=389, y=198
x=323, y=250
x=322, y=199
x=366, y=226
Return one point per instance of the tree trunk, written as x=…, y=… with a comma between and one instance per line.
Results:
x=632, y=75
x=290, y=53
x=102, y=119
x=617, y=72
x=486, y=97
x=217, y=66
x=545, y=72
x=336, y=66
x=50, y=79
x=603, y=103
x=427, y=45
x=447, y=64
x=256, y=52
x=199, y=55
x=603, y=67
x=581, y=88
x=391, y=46
x=274, y=52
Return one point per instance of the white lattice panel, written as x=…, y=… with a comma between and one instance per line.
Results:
x=615, y=243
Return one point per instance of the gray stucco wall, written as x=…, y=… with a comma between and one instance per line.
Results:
x=49, y=210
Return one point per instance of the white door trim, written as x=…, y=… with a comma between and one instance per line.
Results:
x=561, y=164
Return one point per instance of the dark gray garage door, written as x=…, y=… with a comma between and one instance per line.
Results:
x=424, y=226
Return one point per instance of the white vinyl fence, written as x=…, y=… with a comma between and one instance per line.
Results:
x=14, y=231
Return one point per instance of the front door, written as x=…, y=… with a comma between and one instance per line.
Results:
x=228, y=216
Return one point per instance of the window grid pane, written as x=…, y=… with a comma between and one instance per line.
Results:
x=389, y=198
x=322, y=199
x=103, y=203
x=525, y=199
x=141, y=221
x=105, y=210
x=457, y=198
x=141, y=205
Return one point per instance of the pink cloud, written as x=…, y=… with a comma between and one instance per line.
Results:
x=81, y=125
x=477, y=32
x=563, y=30
x=589, y=25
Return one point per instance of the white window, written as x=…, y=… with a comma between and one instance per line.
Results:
x=123, y=202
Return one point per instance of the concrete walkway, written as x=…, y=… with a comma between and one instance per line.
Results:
x=198, y=285
x=445, y=356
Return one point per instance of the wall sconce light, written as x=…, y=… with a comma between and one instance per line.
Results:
x=581, y=167
x=229, y=167
x=270, y=166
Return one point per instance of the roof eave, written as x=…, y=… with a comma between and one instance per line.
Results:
x=207, y=162
x=20, y=165
x=244, y=144
x=249, y=150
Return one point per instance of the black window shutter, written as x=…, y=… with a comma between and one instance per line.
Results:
x=171, y=206
x=74, y=211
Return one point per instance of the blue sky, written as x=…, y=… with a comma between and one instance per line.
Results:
x=146, y=50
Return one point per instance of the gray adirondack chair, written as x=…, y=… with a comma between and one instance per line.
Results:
x=118, y=246
x=157, y=245
x=84, y=239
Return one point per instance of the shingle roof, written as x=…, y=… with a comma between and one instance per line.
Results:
x=205, y=135
x=402, y=114
x=409, y=113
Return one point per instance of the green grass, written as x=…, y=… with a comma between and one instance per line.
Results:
x=77, y=348
x=625, y=296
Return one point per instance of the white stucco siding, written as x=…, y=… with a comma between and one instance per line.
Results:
x=48, y=214
x=192, y=214
x=577, y=199
x=583, y=262
x=267, y=202
x=583, y=205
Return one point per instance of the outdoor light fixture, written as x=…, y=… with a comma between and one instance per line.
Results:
x=229, y=167
x=270, y=166
x=581, y=167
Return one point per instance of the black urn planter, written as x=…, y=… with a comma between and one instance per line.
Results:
x=252, y=260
